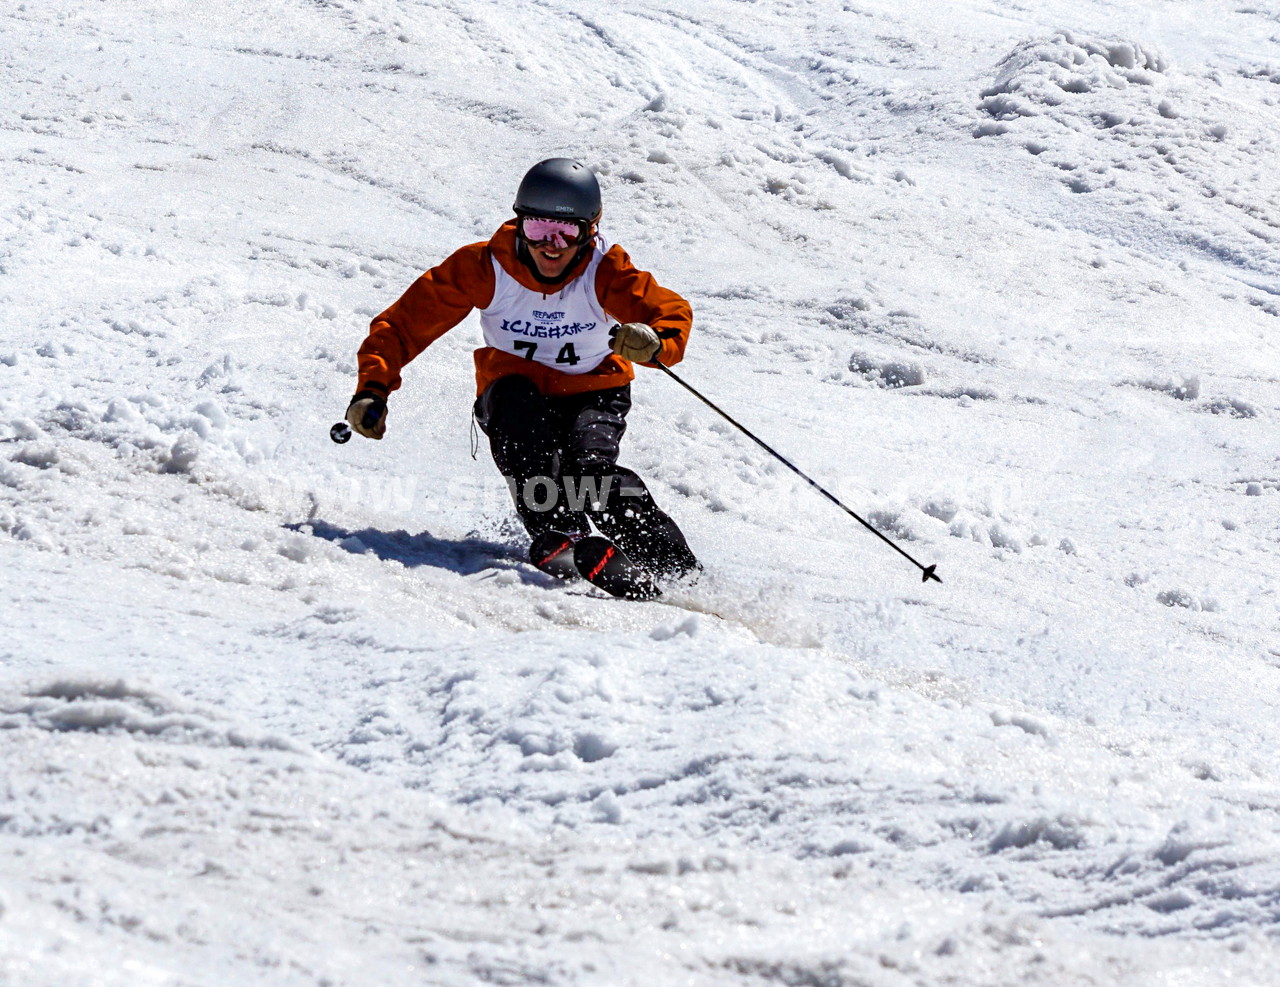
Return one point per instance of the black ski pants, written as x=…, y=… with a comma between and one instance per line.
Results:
x=560, y=457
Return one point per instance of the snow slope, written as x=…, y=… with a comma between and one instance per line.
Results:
x=275, y=711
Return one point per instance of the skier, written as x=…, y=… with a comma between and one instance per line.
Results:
x=565, y=315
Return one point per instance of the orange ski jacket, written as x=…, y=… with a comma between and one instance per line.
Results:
x=444, y=296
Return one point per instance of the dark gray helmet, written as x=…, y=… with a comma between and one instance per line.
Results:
x=559, y=187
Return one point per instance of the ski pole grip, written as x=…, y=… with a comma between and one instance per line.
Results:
x=340, y=433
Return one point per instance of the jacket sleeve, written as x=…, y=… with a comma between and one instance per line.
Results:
x=631, y=295
x=434, y=304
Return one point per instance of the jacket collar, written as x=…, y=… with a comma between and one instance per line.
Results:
x=506, y=248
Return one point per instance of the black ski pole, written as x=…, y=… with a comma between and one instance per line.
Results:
x=928, y=570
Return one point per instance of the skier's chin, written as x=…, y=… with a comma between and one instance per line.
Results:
x=552, y=265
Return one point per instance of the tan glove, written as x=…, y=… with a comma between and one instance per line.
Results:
x=635, y=341
x=367, y=414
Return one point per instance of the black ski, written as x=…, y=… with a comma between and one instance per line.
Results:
x=601, y=563
x=552, y=552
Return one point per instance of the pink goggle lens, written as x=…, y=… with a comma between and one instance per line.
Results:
x=550, y=232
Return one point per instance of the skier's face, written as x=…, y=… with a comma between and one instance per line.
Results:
x=552, y=262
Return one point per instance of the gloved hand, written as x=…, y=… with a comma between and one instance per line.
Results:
x=367, y=414
x=635, y=341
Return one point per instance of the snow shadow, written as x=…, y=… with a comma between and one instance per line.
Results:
x=465, y=556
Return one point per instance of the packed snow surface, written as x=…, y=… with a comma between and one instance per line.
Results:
x=1006, y=278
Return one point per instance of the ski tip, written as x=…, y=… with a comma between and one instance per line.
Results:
x=929, y=573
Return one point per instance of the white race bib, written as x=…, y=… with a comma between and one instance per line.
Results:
x=567, y=331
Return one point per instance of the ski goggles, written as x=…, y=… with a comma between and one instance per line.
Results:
x=541, y=232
